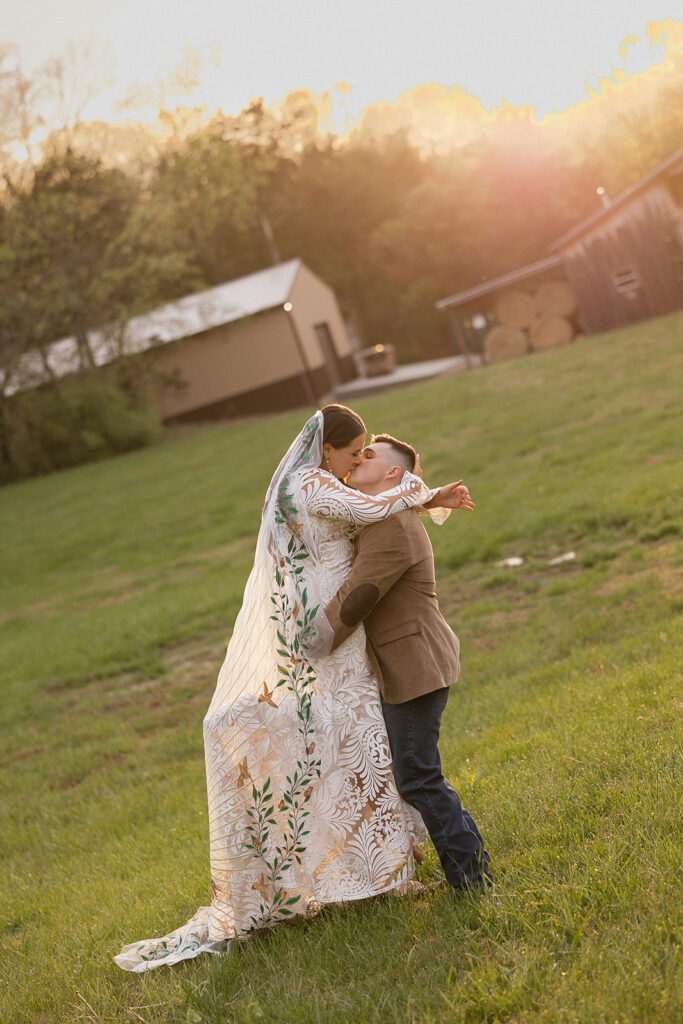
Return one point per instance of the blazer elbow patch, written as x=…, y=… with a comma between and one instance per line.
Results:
x=358, y=604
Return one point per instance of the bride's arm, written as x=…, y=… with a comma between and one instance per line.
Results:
x=327, y=496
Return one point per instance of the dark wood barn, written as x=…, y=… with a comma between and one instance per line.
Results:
x=525, y=310
x=625, y=262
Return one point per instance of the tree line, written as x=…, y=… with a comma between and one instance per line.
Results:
x=98, y=222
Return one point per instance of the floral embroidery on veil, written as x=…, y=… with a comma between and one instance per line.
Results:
x=294, y=629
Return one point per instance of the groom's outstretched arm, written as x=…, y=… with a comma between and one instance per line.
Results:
x=383, y=554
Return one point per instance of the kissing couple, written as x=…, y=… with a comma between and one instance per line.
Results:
x=323, y=770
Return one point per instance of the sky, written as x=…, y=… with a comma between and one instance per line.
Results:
x=540, y=53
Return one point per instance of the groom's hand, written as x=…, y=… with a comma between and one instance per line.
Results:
x=454, y=495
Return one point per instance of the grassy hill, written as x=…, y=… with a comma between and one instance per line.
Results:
x=120, y=582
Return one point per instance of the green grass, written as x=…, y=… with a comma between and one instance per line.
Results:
x=120, y=581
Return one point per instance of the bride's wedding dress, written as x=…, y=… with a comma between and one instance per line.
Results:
x=303, y=807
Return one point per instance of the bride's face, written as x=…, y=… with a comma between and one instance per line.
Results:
x=340, y=461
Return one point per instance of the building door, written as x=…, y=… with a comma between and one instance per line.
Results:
x=328, y=350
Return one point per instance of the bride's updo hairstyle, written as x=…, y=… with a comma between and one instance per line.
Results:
x=341, y=425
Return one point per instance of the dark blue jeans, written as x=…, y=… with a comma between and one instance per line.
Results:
x=413, y=729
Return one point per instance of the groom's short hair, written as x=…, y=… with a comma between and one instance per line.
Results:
x=405, y=454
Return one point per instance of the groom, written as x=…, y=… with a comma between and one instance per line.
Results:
x=392, y=590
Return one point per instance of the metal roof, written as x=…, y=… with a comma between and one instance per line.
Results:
x=193, y=314
x=623, y=197
x=500, y=282
x=223, y=304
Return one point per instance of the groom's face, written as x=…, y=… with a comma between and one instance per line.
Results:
x=375, y=466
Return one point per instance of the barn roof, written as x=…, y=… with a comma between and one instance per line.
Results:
x=493, y=285
x=234, y=300
x=255, y=293
x=670, y=164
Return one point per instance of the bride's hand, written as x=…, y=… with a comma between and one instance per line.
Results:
x=417, y=468
x=454, y=495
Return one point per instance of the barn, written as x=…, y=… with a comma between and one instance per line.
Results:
x=622, y=264
x=268, y=341
x=625, y=262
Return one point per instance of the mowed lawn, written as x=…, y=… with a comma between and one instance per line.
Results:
x=120, y=582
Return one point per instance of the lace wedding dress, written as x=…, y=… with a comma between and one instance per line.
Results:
x=303, y=807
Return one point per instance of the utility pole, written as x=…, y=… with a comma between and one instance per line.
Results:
x=270, y=238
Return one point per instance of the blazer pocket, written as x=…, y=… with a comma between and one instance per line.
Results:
x=386, y=636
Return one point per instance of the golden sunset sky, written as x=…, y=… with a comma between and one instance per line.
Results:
x=527, y=52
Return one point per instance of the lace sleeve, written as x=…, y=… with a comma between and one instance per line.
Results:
x=324, y=495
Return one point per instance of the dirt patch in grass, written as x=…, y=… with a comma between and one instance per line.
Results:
x=620, y=580
x=188, y=674
x=666, y=571
x=127, y=587
x=119, y=597
x=491, y=627
x=70, y=783
x=671, y=580
x=111, y=586
x=39, y=612
x=22, y=755
x=203, y=647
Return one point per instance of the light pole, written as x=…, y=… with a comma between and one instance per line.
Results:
x=304, y=373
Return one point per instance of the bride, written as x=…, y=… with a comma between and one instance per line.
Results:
x=303, y=807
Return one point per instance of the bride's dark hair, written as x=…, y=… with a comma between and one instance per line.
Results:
x=341, y=425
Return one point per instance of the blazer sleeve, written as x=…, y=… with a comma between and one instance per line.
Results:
x=383, y=555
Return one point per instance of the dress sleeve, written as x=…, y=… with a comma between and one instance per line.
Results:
x=325, y=495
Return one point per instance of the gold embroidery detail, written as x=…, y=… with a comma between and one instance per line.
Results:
x=267, y=697
x=244, y=774
x=261, y=886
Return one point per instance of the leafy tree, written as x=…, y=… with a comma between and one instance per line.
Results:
x=78, y=254
x=326, y=206
x=207, y=188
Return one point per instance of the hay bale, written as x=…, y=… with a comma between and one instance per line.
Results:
x=505, y=343
x=515, y=309
x=549, y=332
x=555, y=298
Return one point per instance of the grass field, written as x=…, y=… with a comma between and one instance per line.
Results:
x=120, y=581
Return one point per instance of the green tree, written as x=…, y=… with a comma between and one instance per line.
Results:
x=79, y=256
x=79, y=253
x=325, y=208
x=207, y=188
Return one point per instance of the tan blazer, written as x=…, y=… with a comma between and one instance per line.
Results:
x=392, y=589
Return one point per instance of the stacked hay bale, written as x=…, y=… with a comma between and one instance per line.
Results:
x=530, y=321
x=555, y=304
